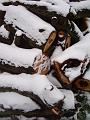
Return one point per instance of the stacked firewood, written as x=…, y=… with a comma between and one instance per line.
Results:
x=30, y=51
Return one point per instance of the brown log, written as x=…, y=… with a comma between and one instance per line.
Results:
x=50, y=41
x=61, y=77
x=81, y=84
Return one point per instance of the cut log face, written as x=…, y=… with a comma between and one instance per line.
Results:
x=50, y=41
x=42, y=64
x=82, y=84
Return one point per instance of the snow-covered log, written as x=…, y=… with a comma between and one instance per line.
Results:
x=82, y=8
x=74, y=61
x=47, y=92
x=83, y=83
x=46, y=96
x=32, y=31
x=17, y=60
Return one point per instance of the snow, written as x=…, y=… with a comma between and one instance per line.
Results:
x=16, y=101
x=87, y=75
x=57, y=6
x=71, y=73
x=3, y=32
x=53, y=80
x=52, y=5
x=30, y=26
x=18, y=56
x=38, y=84
x=69, y=101
x=77, y=30
x=88, y=23
x=18, y=32
x=78, y=51
x=57, y=51
x=78, y=6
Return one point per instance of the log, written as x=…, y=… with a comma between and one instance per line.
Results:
x=31, y=95
x=2, y=14
x=10, y=31
x=61, y=77
x=43, y=12
x=36, y=113
x=15, y=62
x=81, y=84
x=75, y=64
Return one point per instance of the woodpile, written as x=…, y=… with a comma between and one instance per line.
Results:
x=36, y=41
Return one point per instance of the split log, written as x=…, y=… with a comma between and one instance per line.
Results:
x=42, y=63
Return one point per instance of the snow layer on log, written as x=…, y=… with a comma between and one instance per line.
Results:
x=38, y=84
x=78, y=51
x=58, y=5
x=18, y=56
x=69, y=101
x=51, y=5
x=15, y=101
x=87, y=75
x=3, y=32
x=81, y=5
x=31, y=25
